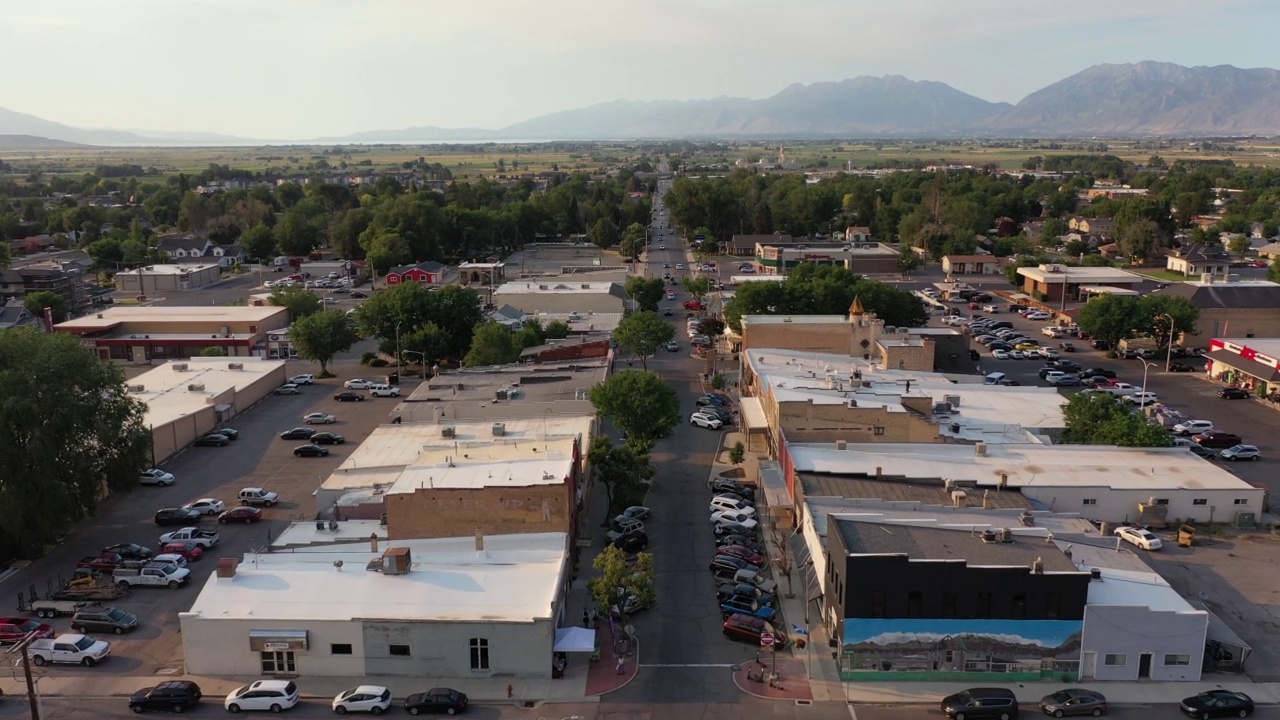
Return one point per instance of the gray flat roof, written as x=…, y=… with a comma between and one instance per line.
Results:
x=921, y=543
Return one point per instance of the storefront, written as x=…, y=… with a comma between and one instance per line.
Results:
x=1247, y=363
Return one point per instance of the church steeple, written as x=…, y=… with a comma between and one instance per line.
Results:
x=856, y=308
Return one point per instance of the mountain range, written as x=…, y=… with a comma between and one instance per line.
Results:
x=1114, y=100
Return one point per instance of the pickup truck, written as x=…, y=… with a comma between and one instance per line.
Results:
x=70, y=648
x=152, y=575
x=203, y=538
x=1119, y=389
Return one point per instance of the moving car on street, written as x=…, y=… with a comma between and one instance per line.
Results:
x=1218, y=703
x=155, y=476
x=1074, y=701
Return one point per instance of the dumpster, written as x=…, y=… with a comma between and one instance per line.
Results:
x=1186, y=534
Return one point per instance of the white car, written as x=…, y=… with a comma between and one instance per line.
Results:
x=671, y=295
x=286, y=389
x=365, y=698
x=705, y=420
x=273, y=695
x=358, y=384
x=305, y=379
x=155, y=476
x=319, y=418
x=1051, y=331
x=1141, y=537
x=679, y=266
x=328, y=300
x=173, y=559
x=1143, y=398
x=206, y=506
x=1000, y=354
x=720, y=517
x=1193, y=427
x=1048, y=353
x=385, y=391
x=1038, y=315
x=1241, y=452
x=748, y=523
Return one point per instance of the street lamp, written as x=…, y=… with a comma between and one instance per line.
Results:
x=398, y=350
x=419, y=354
x=1146, y=365
x=1168, y=348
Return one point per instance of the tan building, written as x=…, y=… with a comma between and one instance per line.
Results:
x=1198, y=260
x=143, y=335
x=972, y=265
x=562, y=295
x=867, y=258
x=156, y=280
x=508, y=392
x=1242, y=309
x=192, y=398
x=1049, y=282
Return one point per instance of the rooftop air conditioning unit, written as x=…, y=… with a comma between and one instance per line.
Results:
x=396, y=561
x=180, y=367
x=499, y=429
x=501, y=394
x=235, y=366
x=196, y=387
x=448, y=431
x=137, y=388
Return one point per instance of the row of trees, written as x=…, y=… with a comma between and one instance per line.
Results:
x=1116, y=317
x=812, y=289
x=1101, y=419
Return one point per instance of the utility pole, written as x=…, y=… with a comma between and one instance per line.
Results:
x=32, y=696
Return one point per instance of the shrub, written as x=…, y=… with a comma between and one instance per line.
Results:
x=367, y=358
x=378, y=362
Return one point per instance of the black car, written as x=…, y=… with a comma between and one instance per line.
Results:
x=726, y=562
x=327, y=438
x=1218, y=703
x=436, y=700
x=178, y=516
x=231, y=433
x=1067, y=347
x=310, y=451
x=722, y=414
x=1233, y=393
x=1108, y=374
x=298, y=433
x=348, y=396
x=977, y=703
x=130, y=551
x=212, y=440
x=747, y=591
x=973, y=354
x=172, y=695
x=359, y=295
x=667, y=312
x=1180, y=367
x=632, y=542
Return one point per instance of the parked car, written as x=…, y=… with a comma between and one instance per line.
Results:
x=155, y=476
x=273, y=695
x=130, y=551
x=748, y=628
x=242, y=514
x=739, y=551
x=1241, y=452
x=1234, y=393
x=1142, y=398
x=189, y=550
x=436, y=700
x=1180, y=367
x=746, y=590
x=358, y=384
x=303, y=379
x=298, y=433
x=257, y=496
x=976, y=703
x=287, y=389
x=319, y=418
x=1217, y=703
x=1109, y=374
x=705, y=420
x=212, y=440
x=1193, y=427
x=310, y=451
x=177, y=516
x=1218, y=439
x=104, y=619
x=1067, y=347
x=373, y=699
x=1141, y=537
x=231, y=433
x=1203, y=452
x=1066, y=381
x=635, y=512
x=1073, y=701
x=327, y=438
x=173, y=695
x=730, y=563
x=13, y=629
x=745, y=606
x=730, y=528
x=206, y=506
x=632, y=542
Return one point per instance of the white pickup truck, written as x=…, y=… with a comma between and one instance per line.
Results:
x=70, y=649
x=152, y=575
x=1119, y=389
x=204, y=538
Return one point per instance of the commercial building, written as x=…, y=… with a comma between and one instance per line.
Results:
x=1050, y=282
x=475, y=606
x=1233, y=309
x=864, y=258
x=142, y=335
x=446, y=478
x=562, y=295
x=423, y=273
x=745, y=245
x=191, y=398
x=532, y=391
x=155, y=280
x=1153, y=487
x=1249, y=362
x=972, y=265
x=578, y=347
x=66, y=280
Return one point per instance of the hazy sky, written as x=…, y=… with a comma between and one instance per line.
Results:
x=294, y=69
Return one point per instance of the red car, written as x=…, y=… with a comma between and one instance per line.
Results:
x=693, y=305
x=739, y=551
x=13, y=629
x=242, y=514
x=748, y=628
x=105, y=561
x=190, y=551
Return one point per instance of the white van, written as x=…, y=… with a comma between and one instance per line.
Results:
x=995, y=378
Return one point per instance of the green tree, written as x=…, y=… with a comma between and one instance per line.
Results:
x=492, y=344
x=908, y=260
x=619, y=579
x=299, y=301
x=213, y=352
x=6, y=256
x=711, y=327
x=1139, y=239
x=319, y=336
x=1240, y=245
x=698, y=287
x=556, y=330
x=1101, y=419
x=405, y=308
x=1273, y=272
x=428, y=344
x=296, y=234
x=623, y=471
x=638, y=403
x=604, y=234
x=387, y=250
x=531, y=335
x=643, y=333
x=37, y=301
x=259, y=242
x=824, y=290
x=633, y=241
x=56, y=464
x=646, y=292
x=1110, y=317
x=106, y=254
x=737, y=453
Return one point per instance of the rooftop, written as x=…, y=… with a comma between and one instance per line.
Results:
x=583, y=322
x=1228, y=295
x=531, y=391
x=1044, y=523
x=1065, y=273
x=1260, y=346
x=514, y=579
x=931, y=543
x=914, y=492
x=171, y=269
x=566, y=287
x=113, y=316
x=171, y=393
x=1023, y=465
x=404, y=457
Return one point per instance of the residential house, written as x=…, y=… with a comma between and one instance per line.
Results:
x=857, y=234
x=183, y=245
x=1197, y=260
x=13, y=314
x=1033, y=229
x=423, y=273
x=1093, y=226
x=971, y=265
x=31, y=245
x=1269, y=251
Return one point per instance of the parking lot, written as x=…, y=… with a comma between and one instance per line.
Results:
x=257, y=458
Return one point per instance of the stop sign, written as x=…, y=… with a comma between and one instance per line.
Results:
x=766, y=639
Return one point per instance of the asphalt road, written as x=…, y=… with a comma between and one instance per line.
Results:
x=1125, y=712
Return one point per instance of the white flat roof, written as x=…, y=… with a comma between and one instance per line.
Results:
x=1139, y=589
x=1265, y=346
x=739, y=279
x=1099, y=275
x=1108, y=290
x=404, y=457
x=170, y=269
x=348, y=531
x=974, y=519
x=110, y=317
x=167, y=391
x=797, y=319
x=565, y=287
x=583, y=322
x=1025, y=465
x=514, y=579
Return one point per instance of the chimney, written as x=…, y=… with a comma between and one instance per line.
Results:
x=841, y=445
x=980, y=449
x=227, y=567
x=373, y=542
x=986, y=500
x=1004, y=480
x=1037, y=567
x=479, y=540
x=879, y=472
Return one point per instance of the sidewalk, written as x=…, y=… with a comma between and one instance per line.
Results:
x=1117, y=693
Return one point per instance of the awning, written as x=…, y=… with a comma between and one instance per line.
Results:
x=575, y=639
x=1107, y=290
x=264, y=640
x=774, y=483
x=753, y=417
x=1248, y=367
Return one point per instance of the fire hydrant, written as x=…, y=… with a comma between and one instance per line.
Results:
x=510, y=690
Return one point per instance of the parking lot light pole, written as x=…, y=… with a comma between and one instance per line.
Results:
x=398, y=351
x=1168, y=349
x=1146, y=365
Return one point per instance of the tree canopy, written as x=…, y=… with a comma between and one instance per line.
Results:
x=824, y=290
x=1115, y=317
x=639, y=403
x=453, y=309
x=1103, y=419
x=492, y=344
x=647, y=292
x=55, y=464
x=643, y=333
x=300, y=301
x=320, y=336
x=36, y=302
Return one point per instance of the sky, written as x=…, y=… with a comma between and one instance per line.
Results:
x=302, y=69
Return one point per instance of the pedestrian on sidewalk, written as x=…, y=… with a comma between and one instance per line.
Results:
x=622, y=664
x=586, y=618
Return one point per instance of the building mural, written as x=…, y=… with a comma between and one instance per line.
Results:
x=960, y=649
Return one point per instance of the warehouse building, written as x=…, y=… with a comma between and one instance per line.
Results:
x=144, y=334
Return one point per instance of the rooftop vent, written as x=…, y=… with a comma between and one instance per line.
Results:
x=227, y=567
x=500, y=394
x=1095, y=575
x=499, y=429
x=235, y=366
x=990, y=536
x=1037, y=566
x=180, y=367
x=1006, y=535
x=137, y=388
x=195, y=387
x=952, y=400
x=396, y=561
x=448, y=431
x=980, y=449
